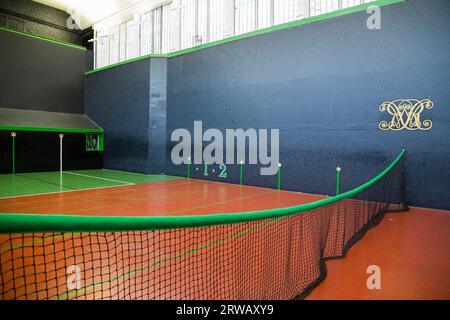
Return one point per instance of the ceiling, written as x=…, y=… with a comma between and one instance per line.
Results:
x=88, y=12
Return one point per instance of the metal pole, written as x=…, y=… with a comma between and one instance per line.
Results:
x=272, y=12
x=307, y=8
x=13, y=135
x=161, y=31
x=196, y=37
x=256, y=13
x=208, y=21
x=152, y=49
x=61, y=136
x=95, y=50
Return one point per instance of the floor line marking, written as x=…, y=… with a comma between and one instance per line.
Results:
x=258, y=187
x=123, y=202
x=93, y=196
x=29, y=176
x=100, y=178
x=211, y=204
x=145, y=174
x=37, y=203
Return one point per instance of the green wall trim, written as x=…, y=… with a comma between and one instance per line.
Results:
x=29, y=223
x=296, y=23
x=44, y=129
x=127, y=62
x=28, y=34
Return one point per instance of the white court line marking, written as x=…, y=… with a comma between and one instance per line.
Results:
x=141, y=174
x=55, y=192
x=100, y=178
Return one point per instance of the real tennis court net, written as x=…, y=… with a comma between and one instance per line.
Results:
x=271, y=254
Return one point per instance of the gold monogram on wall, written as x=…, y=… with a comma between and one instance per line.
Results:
x=406, y=114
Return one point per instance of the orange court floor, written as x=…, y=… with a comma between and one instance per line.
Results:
x=410, y=248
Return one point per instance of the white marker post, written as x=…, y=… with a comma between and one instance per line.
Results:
x=241, y=172
x=61, y=136
x=189, y=168
x=279, y=176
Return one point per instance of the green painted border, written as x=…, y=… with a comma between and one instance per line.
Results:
x=296, y=23
x=28, y=34
x=32, y=223
x=47, y=129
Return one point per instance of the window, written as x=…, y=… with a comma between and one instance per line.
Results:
x=146, y=34
x=132, y=42
x=216, y=17
x=123, y=42
x=183, y=24
x=245, y=16
x=101, y=50
x=324, y=6
x=166, y=24
x=188, y=24
x=157, y=28
x=265, y=13
x=114, y=45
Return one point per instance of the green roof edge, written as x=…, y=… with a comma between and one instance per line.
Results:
x=49, y=129
x=28, y=34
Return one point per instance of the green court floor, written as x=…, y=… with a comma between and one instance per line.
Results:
x=21, y=184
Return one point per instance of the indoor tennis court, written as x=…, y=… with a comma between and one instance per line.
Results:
x=140, y=195
x=224, y=150
x=196, y=231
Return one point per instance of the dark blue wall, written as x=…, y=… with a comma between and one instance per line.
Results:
x=118, y=100
x=40, y=75
x=129, y=103
x=321, y=85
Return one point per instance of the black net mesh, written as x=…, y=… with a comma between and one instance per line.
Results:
x=278, y=258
